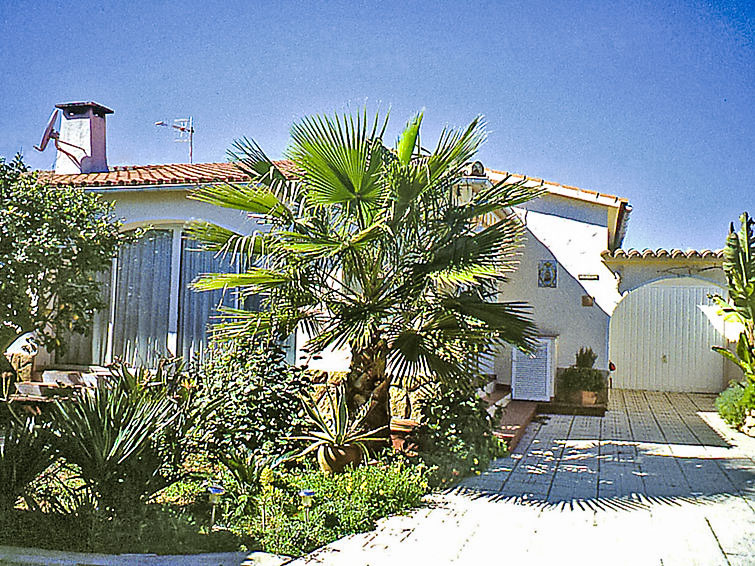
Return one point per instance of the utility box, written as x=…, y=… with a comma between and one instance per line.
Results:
x=533, y=377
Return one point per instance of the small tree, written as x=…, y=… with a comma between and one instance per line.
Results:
x=373, y=248
x=53, y=242
x=739, y=266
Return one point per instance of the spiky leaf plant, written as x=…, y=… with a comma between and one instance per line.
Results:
x=739, y=266
x=126, y=435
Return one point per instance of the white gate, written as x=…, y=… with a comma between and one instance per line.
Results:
x=660, y=340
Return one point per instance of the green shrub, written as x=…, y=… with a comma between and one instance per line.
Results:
x=729, y=404
x=455, y=436
x=344, y=503
x=257, y=394
x=576, y=378
x=585, y=358
x=735, y=402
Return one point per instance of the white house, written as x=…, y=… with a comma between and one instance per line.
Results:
x=585, y=290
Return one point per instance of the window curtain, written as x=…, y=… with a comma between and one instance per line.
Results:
x=197, y=311
x=142, y=299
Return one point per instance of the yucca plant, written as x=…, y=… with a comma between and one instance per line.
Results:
x=739, y=267
x=125, y=436
x=372, y=248
x=339, y=437
x=25, y=452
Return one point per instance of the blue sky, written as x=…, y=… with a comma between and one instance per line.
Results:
x=648, y=100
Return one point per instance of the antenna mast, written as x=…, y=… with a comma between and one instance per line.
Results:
x=184, y=130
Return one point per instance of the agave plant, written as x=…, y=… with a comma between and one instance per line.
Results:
x=338, y=436
x=246, y=466
x=376, y=249
x=739, y=266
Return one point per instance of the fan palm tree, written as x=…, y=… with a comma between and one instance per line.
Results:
x=372, y=248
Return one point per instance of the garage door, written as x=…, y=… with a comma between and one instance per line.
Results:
x=660, y=339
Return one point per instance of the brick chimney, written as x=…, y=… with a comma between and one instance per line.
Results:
x=82, y=138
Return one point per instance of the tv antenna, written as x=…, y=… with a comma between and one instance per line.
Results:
x=184, y=130
x=51, y=133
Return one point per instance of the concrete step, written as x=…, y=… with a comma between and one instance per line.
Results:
x=516, y=416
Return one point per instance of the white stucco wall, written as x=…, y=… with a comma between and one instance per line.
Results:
x=570, y=231
x=574, y=234
x=139, y=207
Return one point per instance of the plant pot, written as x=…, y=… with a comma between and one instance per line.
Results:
x=333, y=459
x=583, y=398
x=588, y=398
x=401, y=430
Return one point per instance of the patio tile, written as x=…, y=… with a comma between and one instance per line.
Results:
x=660, y=470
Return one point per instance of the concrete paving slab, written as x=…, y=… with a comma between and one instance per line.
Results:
x=659, y=480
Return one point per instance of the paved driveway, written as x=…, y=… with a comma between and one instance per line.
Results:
x=659, y=480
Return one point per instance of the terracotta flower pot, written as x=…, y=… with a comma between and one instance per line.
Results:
x=589, y=397
x=333, y=459
x=401, y=430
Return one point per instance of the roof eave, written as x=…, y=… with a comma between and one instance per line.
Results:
x=566, y=191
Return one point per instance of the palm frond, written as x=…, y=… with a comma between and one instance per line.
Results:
x=455, y=148
x=227, y=243
x=407, y=141
x=489, y=253
x=248, y=157
x=248, y=198
x=340, y=159
x=255, y=279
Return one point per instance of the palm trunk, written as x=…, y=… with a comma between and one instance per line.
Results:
x=368, y=382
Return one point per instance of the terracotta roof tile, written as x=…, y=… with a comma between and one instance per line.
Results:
x=169, y=174
x=201, y=173
x=582, y=194
x=661, y=253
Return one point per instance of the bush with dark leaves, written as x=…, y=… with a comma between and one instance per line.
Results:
x=257, y=394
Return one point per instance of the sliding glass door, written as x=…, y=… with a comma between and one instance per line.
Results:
x=198, y=311
x=152, y=312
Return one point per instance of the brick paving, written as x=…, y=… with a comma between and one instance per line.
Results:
x=659, y=480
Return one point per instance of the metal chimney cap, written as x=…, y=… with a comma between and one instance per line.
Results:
x=95, y=106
